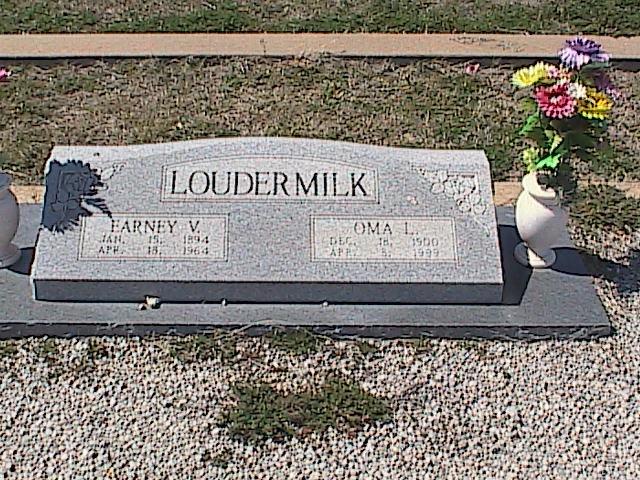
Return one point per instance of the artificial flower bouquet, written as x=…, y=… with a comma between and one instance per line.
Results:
x=4, y=74
x=568, y=107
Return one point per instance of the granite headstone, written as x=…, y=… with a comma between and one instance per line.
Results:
x=273, y=220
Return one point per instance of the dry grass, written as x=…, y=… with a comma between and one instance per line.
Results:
x=424, y=104
x=609, y=17
x=90, y=15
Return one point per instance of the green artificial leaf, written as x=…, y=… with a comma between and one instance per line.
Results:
x=546, y=81
x=529, y=105
x=537, y=135
x=558, y=125
x=530, y=123
x=550, y=162
x=581, y=139
x=599, y=125
x=584, y=155
x=561, y=147
x=545, y=122
x=595, y=66
x=586, y=79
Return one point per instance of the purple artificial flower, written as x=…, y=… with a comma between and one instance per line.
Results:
x=4, y=74
x=580, y=51
x=604, y=84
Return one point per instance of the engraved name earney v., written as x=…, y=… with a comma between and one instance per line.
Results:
x=264, y=178
x=153, y=237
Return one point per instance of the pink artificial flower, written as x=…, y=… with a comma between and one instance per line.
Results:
x=472, y=68
x=553, y=71
x=555, y=101
x=560, y=74
x=4, y=74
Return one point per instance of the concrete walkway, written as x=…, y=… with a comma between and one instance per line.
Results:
x=55, y=46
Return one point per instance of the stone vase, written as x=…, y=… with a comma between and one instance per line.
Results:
x=540, y=221
x=9, y=218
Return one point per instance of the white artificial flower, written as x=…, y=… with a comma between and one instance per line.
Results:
x=577, y=90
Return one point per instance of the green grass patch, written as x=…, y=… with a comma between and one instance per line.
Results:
x=226, y=17
x=476, y=346
x=47, y=350
x=425, y=104
x=298, y=341
x=262, y=413
x=8, y=349
x=366, y=347
x=422, y=345
x=97, y=350
x=201, y=348
x=604, y=17
x=605, y=208
x=43, y=16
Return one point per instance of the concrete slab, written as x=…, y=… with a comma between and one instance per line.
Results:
x=556, y=303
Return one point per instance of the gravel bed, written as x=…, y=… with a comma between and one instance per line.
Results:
x=126, y=409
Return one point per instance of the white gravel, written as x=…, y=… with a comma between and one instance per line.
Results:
x=487, y=410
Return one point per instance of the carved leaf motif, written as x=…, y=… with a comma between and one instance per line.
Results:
x=109, y=172
x=461, y=187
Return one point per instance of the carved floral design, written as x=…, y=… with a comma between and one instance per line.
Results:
x=110, y=171
x=71, y=188
x=463, y=188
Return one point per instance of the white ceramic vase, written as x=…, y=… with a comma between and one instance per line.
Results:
x=540, y=221
x=9, y=218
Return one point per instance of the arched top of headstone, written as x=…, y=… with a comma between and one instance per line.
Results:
x=268, y=219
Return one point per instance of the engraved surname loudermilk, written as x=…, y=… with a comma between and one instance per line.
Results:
x=383, y=239
x=153, y=237
x=268, y=178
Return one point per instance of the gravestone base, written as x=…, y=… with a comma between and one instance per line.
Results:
x=553, y=303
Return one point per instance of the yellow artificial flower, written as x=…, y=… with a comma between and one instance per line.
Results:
x=530, y=156
x=595, y=105
x=527, y=76
x=557, y=140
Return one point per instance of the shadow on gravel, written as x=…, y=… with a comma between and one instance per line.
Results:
x=626, y=276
